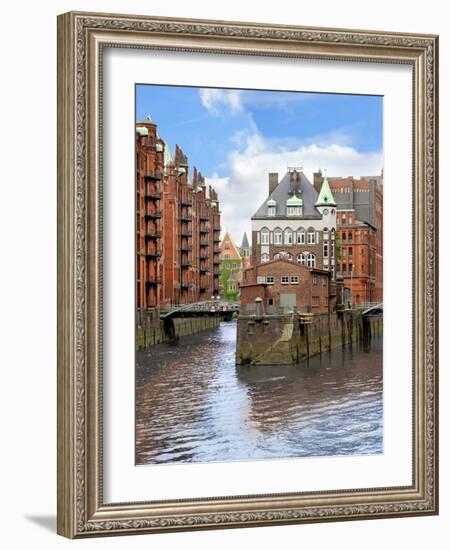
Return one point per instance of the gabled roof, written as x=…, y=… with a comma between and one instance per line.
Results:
x=282, y=193
x=232, y=250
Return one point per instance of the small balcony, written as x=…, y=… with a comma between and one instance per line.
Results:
x=152, y=236
x=204, y=217
x=186, y=234
x=187, y=202
x=204, y=288
x=153, y=281
x=204, y=256
x=216, y=239
x=204, y=269
x=204, y=243
x=156, y=215
x=216, y=262
x=204, y=230
x=154, y=176
x=186, y=219
x=185, y=264
x=154, y=254
x=153, y=196
x=184, y=284
x=186, y=249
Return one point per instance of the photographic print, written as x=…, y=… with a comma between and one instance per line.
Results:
x=259, y=274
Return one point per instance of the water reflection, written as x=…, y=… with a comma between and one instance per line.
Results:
x=194, y=405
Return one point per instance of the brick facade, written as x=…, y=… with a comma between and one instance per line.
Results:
x=283, y=283
x=177, y=226
x=360, y=220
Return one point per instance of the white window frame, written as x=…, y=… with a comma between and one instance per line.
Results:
x=288, y=233
x=301, y=236
x=272, y=211
x=326, y=249
x=277, y=236
x=260, y=280
x=265, y=258
x=270, y=280
x=311, y=260
x=295, y=279
x=311, y=236
x=301, y=258
x=264, y=236
x=284, y=279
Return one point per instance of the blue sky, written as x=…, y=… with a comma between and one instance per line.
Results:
x=236, y=136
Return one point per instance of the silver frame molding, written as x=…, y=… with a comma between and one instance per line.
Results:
x=81, y=39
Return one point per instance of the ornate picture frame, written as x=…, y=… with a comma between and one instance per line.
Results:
x=82, y=38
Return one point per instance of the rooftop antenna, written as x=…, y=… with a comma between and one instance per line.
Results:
x=292, y=168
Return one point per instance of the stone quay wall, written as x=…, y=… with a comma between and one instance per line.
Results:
x=158, y=332
x=281, y=340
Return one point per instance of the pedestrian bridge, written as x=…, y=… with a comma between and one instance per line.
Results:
x=375, y=309
x=199, y=309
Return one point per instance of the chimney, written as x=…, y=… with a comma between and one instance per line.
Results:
x=273, y=181
x=318, y=180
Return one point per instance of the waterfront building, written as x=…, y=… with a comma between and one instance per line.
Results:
x=295, y=222
x=359, y=204
x=230, y=269
x=285, y=284
x=177, y=226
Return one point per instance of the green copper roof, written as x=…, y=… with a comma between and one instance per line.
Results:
x=159, y=148
x=271, y=202
x=181, y=171
x=325, y=196
x=142, y=131
x=294, y=201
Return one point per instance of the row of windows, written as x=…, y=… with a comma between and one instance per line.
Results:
x=303, y=259
x=284, y=279
x=292, y=237
x=293, y=280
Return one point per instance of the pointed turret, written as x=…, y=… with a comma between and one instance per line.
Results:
x=325, y=197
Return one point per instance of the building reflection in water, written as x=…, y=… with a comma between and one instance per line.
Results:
x=194, y=405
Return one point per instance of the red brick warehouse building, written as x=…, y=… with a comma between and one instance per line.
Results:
x=359, y=204
x=286, y=284
x=177, y=226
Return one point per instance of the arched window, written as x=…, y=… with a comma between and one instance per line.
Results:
x=264, y=235
x=344, y=236
x=288, y=236
x=311, y=260
x=333, y=233
x=325, y=233
x=301, y=259
x=284, y=255
x=311, y=236
x=301, y=236
x=264, y=258
x=277, y=236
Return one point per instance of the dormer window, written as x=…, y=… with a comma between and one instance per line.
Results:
x=271, y=207
x=294, y=206
x=293, y=211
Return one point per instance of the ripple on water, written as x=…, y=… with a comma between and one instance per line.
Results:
x=194, y=405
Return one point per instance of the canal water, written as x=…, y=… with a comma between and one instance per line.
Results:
x=194, y=405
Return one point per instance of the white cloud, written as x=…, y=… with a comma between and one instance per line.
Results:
x=213, y=99
x=246, y=186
